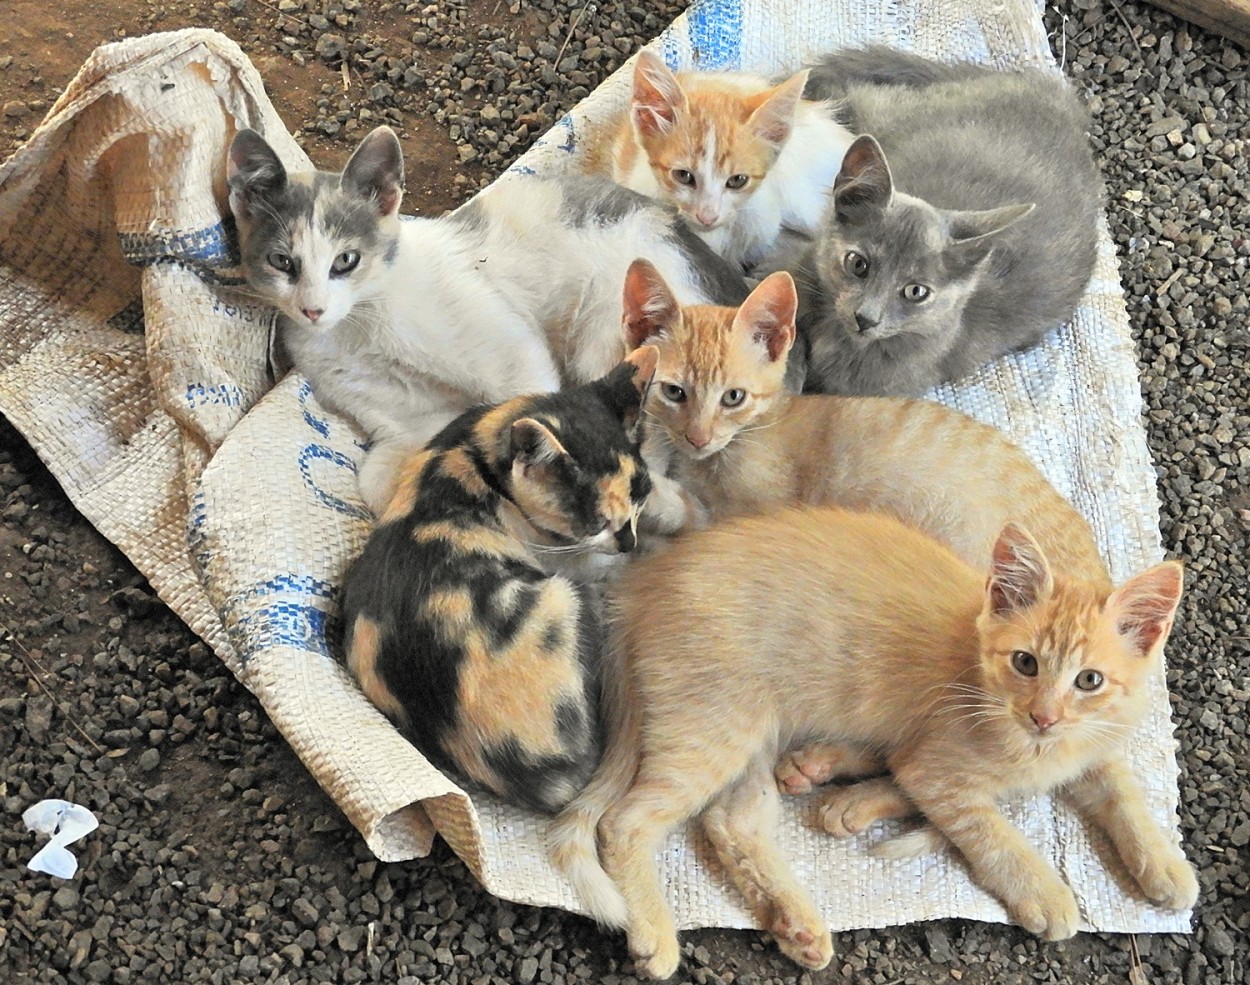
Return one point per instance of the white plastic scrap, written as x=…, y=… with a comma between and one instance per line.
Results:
x=66, y=823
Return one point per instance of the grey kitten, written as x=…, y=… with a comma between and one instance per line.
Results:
x=974, y=240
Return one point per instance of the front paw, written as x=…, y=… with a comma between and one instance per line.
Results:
x=1047, y=908
x=655, y=957
x=1167, y=879
x=845, y=812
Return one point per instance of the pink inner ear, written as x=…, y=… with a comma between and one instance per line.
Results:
x=1145, y=635
x=388, y=199
x=657, y=96
x=769, y=312
x=649, y=307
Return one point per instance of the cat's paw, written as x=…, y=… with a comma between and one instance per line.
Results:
x=804, y=941
x=655, y=955
x=801, y=769
x=1048, y=909
x=815, y=763
x=845, y=812
x=662, y=964
x=1168, y=880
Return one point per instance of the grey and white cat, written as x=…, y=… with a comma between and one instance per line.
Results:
x=963, y=228
x=402, y=325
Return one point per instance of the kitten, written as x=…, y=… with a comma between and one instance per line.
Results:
x=457, y=627
x=816, y=622
x=976, y=238
x=741, y=158
x=743, y=444
x=403, y=325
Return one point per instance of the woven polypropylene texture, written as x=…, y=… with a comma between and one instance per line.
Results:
x=133, y=360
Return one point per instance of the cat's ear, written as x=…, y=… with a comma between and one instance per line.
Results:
x=767, y=315
x=1145, y=606
x=772, y=111
x=533, y=443
x=971, y=226
x=864, y=179
x=642, y=363
x=657, y=98
x=644, y=360
x=649, y=307
x=1019, y=573
x=252, y=168
x=376, y=170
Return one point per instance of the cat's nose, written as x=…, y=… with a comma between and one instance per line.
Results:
x=1043, y=721
x=866, y=321
x=625, y=539
x=707, y=217
x=698, y=440
x=312, y=314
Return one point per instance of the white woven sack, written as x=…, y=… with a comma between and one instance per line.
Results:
x=243, y=512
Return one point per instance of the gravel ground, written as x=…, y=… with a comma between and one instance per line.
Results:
x=218, y=859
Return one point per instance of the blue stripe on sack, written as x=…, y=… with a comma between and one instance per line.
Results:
x=293, y=610
x=320, y=453
x=206, y=252
x=214, y=395
x=715, y=29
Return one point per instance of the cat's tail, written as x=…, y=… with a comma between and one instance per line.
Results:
x=924, y=840
x=574, y=842
x=879, y=64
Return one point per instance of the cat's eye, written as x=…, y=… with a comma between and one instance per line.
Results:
x=916, y=293
x=683, y=177
x=280, y=261
x=345, y=262
x=732, y=398
x=1089, y=680
x=673, y=392
x=856, y=264
x=737, y=181
x=1023, y=662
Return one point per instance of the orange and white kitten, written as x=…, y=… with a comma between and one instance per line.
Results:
x=742, y=159
x=818, y=623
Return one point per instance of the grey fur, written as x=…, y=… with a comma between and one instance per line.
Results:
x=721, y=280
x=595, y=200
x=959, y=146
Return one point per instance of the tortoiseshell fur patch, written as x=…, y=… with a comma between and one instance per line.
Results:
x=457, y=626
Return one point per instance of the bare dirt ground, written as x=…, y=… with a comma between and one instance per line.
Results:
x=220, y=859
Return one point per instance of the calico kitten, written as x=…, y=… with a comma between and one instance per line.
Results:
x=403, y=325
x=743, y=444
x=458, y=629
x=971, y=689
x=742, y=159
x=963, y=228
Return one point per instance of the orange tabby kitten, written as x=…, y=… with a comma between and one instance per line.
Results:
x=741, y=158
x=820, y=623
x=743, y=444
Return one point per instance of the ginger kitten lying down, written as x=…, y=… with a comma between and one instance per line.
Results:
x=817, y=623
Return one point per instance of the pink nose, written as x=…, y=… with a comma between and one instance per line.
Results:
x=698, y=441
x=1043, y=721
x=312, y=314
x=706, y=218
